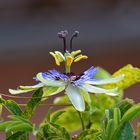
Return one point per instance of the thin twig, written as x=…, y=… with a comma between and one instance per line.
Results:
x=43, y=105
x=21, y=97
x=11, y=96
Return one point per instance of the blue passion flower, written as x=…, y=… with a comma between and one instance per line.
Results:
x=75, y=87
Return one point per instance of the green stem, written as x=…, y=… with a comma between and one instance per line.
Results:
x=67, y=69
x=82, y=121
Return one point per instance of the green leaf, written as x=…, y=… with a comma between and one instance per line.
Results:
x=63, y=100
x=48, y=117
x=117, y=117
x=15, y=136
x=90, y=134
x=33, y=103
x=19, y=118
x=131, y=114
x=3, y=125
x=19, y=126
x=52, y=131
x=69, y=119
x=103, y=74
x=131, y=77
x=12, y=106
x=124, y=105
x=14, y=123
x=99, y=105
x=93, y=114
x=10, y=126
x=56, y=116
x=125, y=132
x=116, y=120
x=110, y=129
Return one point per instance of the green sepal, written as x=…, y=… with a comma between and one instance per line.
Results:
x=49, y=91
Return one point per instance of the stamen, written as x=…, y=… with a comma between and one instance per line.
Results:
x=75, y=34
x=63, y=35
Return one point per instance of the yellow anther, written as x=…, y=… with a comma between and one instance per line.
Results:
x=69, y=60
x=56, y=59
x=80, y=57
x=74, y=53
x=60, y=56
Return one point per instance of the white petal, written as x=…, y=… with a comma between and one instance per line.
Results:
x=105, y=81
x=94, y=89
x=75, y=97
x=31, y=87
x=50, y=82
x=24, y=89
x=18, y=91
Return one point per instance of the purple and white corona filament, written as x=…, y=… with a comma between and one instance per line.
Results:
x=75, y=87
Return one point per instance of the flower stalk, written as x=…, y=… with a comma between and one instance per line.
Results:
x=81, y=119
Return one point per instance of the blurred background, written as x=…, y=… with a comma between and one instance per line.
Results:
x=109, y=35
